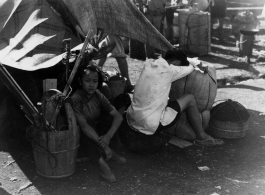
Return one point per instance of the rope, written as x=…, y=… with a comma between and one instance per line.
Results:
x=67, y=96
x=208, y=95
x=34, y=134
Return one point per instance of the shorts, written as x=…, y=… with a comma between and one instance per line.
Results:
x=175, y=106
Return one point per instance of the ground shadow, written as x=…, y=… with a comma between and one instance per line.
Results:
x=241, y=86
x=230, y=63
x=3, y=192
x=171, y=170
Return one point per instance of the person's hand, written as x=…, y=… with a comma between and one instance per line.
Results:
x=203, y=67
x=104, y=140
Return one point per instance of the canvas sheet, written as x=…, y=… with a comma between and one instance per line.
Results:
x=7, y=8
x=117, y=17
x=33, y=30
x=32, y=37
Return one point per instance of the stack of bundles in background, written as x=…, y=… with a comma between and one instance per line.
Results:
x=194, y=24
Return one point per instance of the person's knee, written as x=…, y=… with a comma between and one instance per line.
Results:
x=191, y=100
x=186, y=101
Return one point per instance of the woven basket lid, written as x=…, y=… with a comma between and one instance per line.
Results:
x=230, y=111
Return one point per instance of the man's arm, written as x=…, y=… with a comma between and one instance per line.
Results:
x=181, y=71
x=198, y=64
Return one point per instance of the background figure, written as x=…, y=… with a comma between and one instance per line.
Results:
x=169, y=18
x=119, y=55
x=218, y=12
x=155, y=14
x=243, y=20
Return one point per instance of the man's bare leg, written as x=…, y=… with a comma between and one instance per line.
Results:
x=102, y=61
x=123, y=66
x=187, y=103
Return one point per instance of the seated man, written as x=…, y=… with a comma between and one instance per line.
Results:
x=151, y=112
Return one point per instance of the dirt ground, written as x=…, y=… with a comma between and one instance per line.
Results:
x=236, y=168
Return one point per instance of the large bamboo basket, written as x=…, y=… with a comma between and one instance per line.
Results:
x=55, y=152
x=203, y=86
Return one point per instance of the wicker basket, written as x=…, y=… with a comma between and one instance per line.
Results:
x=115, y=81
x=228, y=130
x=229, y=120
x=117, y=85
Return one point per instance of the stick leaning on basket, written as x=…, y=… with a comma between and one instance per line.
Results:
x=70, y=80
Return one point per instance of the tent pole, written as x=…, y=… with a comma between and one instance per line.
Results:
x=79, y=58
x=71, y=77
x=67, y=57
x=31, y=112
x=15, y=89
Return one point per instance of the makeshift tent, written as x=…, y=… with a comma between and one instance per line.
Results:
x=32, y=30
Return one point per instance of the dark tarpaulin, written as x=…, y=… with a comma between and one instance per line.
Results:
x=32, y=37
x=120, y=17
x=32, y=31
